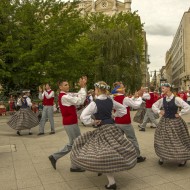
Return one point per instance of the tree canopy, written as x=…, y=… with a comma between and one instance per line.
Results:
x=46, y=41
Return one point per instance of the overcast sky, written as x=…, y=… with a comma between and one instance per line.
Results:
x=161, y=18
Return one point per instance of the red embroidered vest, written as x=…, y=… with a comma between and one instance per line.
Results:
x=69, y=113
x=150, y=102
x=48, y=102
x=126, y=119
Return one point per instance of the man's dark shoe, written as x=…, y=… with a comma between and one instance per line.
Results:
x=52, y=132
x=160, y=162
x=182, y=164
x=77, y=170
x=53, y=161
x=142, y=129
x=114, y=186
x=40, y=134
x=30, y=133
x=141, y=159
x=18, y=133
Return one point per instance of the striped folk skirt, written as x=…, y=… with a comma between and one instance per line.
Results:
x=172, y=140
x=104, y=150
x=23, y=119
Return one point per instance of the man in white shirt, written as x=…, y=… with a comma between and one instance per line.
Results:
x=67, y=104
x=47, y=113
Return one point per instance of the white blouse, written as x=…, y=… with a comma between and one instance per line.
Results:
x=91, y=109
x=28, y=100
x=178, y=101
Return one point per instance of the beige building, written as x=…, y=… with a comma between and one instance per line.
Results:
x=178, y=56
x=111, y=7
x=168, y=68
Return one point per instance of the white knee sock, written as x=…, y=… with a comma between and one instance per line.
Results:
x=111, y=179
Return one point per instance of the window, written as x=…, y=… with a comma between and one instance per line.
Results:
x=104, y=4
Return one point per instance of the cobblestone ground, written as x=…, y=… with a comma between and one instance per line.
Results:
x=24, y=164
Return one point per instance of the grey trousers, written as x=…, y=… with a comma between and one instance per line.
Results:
x=47, y=113
x=149, y=114
x=130, y=134
x=73, y=131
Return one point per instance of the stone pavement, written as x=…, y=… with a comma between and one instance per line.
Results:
x=24, y=164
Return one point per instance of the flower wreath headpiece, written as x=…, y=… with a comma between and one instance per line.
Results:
x=102, y=86
x=166, y=85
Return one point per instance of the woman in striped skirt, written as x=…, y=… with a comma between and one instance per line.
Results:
x=24, y=118
x=104, y=150
x=172, y=140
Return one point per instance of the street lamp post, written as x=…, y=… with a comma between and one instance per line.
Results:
x=155, y=77
x=162, y=79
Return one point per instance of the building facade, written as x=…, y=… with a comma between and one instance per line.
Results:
x=109, y=7
x=178, y=56
x=168, y=68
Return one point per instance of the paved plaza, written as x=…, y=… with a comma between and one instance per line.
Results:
x=24, y=164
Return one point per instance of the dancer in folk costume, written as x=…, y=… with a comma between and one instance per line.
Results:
x=104, y=150
x=47, y=95
x=141, y=111
x=124, y=123
x=11, y=104
x=140, y=114
x=150, y=100
x=24, y=118
x=172, y=140
x=67, y=104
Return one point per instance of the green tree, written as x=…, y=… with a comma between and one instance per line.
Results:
x=49, y=40
x=35, y=36
x=113, y=48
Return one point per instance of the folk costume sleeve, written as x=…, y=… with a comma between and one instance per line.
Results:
x=185, y=107
x=157, y=106
x=132, y=102
x=90, y=110
x=120, y=109
x=69, y=100
x=146, y=96
x=48, y=96
x=41, y=95
x=28, y=100
x=19, y=102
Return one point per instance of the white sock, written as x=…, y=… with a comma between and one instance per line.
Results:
x=154, y=125
x=111, y=179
